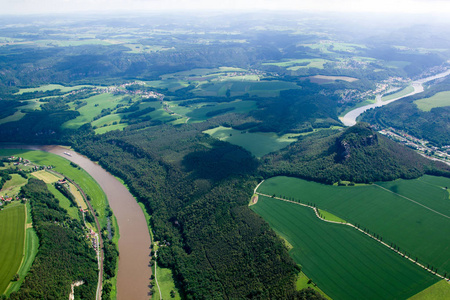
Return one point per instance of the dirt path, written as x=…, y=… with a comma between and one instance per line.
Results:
x=316, y=211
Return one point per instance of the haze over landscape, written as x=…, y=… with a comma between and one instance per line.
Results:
x=224, y=150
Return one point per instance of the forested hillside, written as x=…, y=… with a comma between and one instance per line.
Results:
x=357, y=154
x=197, y=190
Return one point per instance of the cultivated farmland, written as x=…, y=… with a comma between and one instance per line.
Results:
x=12, y=237
x=344, y=263
x=410, y=214
x=61, y=165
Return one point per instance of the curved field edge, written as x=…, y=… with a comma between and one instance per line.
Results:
x=403, y=213
x=12, y=242
x=344, y=263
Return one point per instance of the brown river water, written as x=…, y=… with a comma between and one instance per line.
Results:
x=134, y=244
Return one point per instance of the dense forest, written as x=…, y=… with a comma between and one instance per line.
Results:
x=64, y=254
x=197, y=190
x=357, y=154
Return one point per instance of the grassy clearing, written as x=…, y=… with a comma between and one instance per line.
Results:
x=12, y=186
x=15, y=117
x=295, y=64
x=46, y=177
x=415, y=227
x=78, y=197
x=94, y=107
x=64, y=202
x=239, y=88
x=302, y=283
x=166, y=283
x=402, y=93
x=325, y=79
x=50, y=87
x=360, y=104
x=258, y=144
x=12, y=238
x=439, y=290
x=344, y=263
x=237, y=106
x=62, y=165
x=330, y=217
x=441, y=99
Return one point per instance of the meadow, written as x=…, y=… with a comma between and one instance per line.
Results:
x=344, y=263
x=239, y=88
x=51, y=87
x=94, y=107
x=12, y=186
x=411, y=214
x=441, y=99
x=12, y=238
x=401, y=93
x=295, y=64
x=258, y=143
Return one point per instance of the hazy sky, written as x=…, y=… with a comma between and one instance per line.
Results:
x=396, y=6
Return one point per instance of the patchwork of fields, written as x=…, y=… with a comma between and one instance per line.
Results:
x=410, y=214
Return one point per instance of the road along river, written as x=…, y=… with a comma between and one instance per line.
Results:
x=350, y=118
x=134, y=273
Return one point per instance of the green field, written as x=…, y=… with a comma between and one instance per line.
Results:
x=258, y=143
x=401, y=93
x=302, y=283
x=343, y=262
x=12, y=186
x=94, y=107
x=12, y=238
x=166, y=283
x=439, y=290
x=50, y=87
x=238, y=107
x=441, y=99
x=62, y=165
x=64, y=202
x=360, y=104
x=31, y=249
x=412, y=214
x=295, y=64
x=239, y=88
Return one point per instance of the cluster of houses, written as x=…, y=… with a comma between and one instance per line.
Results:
x=93, y=237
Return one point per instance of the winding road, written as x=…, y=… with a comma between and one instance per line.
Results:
x=350, y=118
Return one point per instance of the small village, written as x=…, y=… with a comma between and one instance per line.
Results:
x=421, y=146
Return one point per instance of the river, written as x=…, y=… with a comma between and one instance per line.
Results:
x=350, y=118
x=134, y=273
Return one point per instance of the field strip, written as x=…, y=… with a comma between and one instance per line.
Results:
x=316, y=211
x=156, y=280
x=411, y=200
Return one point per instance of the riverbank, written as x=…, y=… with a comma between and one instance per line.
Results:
x=350, y=118
x=134, y=244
